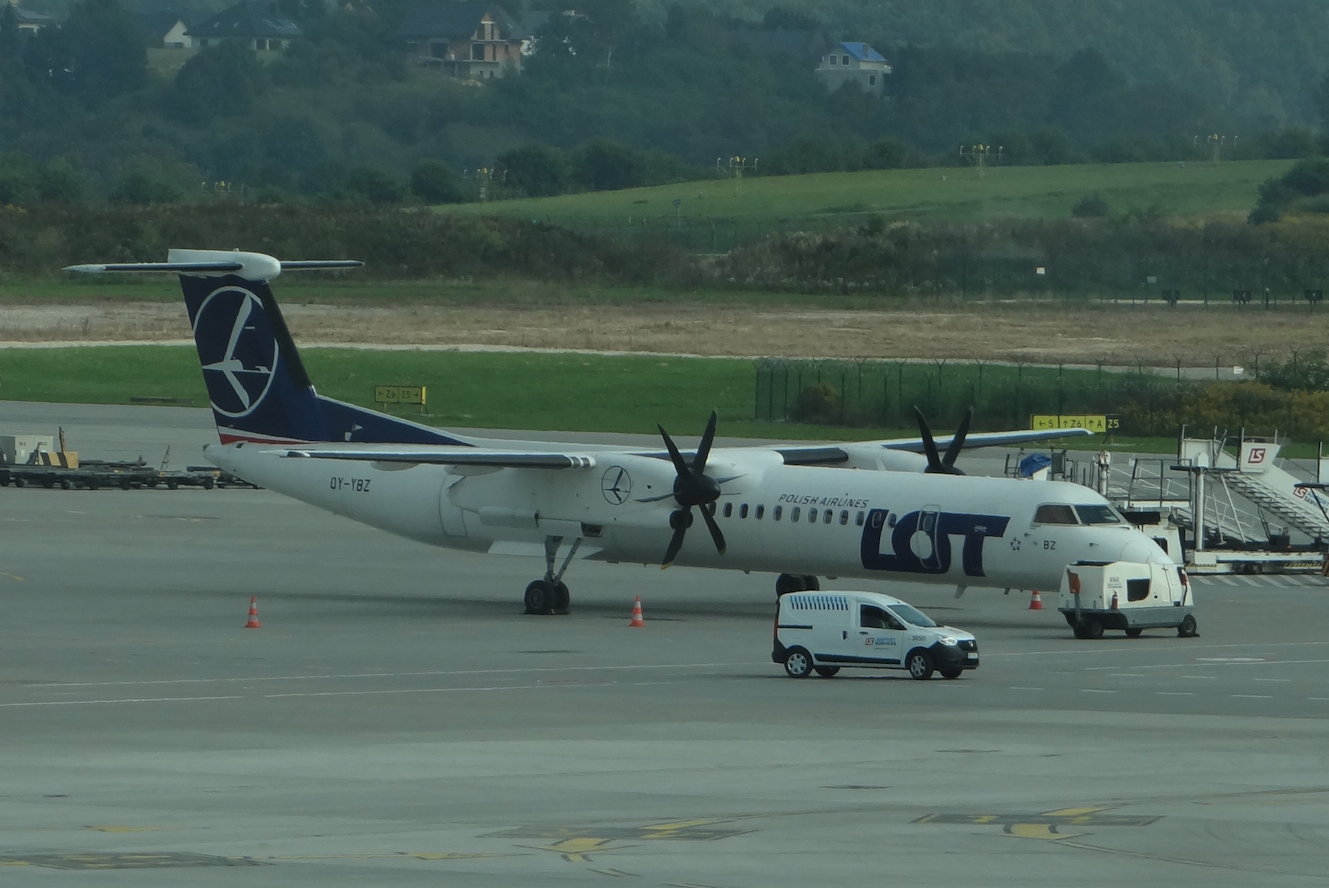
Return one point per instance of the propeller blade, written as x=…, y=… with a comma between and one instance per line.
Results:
x=704, y=448
x=714, y=529
x=957, y=443
x=679, y=466
x=675, y=544
x=929, y=445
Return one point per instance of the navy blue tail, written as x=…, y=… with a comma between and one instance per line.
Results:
x=257, y=383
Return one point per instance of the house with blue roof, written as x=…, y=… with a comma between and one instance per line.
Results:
x=854, y=63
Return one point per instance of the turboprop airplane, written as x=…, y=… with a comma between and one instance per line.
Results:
x=878, y=509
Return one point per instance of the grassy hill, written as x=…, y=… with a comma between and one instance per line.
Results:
x=1170, y=189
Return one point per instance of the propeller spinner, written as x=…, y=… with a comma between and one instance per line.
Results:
x=692, y=487
x=943, y=465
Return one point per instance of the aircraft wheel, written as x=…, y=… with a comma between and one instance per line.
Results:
x=1188, y=627
x=811, y=583
x=786, y=583
x=919, y=663
x=827, y=671
x=562, y=599
x=539, y=598
x=798, y=663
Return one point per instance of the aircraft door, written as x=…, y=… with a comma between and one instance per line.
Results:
x=923, y=543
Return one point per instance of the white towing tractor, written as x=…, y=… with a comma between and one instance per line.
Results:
x=823, y=631
x=1126, y=595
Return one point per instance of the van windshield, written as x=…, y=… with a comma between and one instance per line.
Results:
x=912, y=615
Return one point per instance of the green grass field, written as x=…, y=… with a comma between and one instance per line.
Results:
x=560, y=392
x=1192, y=189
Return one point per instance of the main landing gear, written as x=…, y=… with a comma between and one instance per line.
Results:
x=549, y=595
x=795, y=583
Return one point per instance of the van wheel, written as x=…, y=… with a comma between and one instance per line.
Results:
x=950, y=673
x=1133, y=633
x=798, y=663
x=1188, y=628
x=919, y=664
x=827, y=671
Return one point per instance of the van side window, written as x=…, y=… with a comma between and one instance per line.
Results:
x=761, y=512
x=1137, y=589
x=871, y=617
x=743, y=511
x=1054, y=513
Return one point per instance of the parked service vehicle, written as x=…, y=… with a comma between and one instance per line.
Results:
x=1126, y=595
x=824, y=631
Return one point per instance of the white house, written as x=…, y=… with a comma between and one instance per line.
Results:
x=854, y=62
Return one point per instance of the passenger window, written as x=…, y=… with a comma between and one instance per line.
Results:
x=1054, y=513
x=877, y=518
x=844, y=517
x=826, y=517
x=761, y=512
x=859, y=520
x=743, y=511
x=812, y=516
x=728, y=510
x=775, y=515
x=793, y=513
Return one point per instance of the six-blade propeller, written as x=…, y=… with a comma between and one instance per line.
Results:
x=692, y=487
x=943, y=465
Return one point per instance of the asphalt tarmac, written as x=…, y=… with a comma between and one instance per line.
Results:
x=398, y=721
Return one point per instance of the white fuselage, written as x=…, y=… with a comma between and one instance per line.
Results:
x=838, y=522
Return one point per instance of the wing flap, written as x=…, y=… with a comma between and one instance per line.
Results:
x=989, y=439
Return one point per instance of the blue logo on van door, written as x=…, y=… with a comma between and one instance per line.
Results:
x=921, y=541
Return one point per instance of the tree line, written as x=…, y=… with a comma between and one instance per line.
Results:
x=611, y=99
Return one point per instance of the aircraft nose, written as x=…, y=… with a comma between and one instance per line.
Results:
x=1142, y=550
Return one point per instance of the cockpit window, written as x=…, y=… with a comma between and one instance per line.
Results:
x=1054, y=513
x=1100, y=513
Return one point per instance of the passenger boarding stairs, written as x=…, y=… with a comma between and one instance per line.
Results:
x=1252, y=473
x=1150, y=484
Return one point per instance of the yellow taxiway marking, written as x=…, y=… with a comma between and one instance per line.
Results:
x=115, y=828
x=1075, y=812
x=12, y=576
x=576, y=850
x=614, y=872
x=417, y=855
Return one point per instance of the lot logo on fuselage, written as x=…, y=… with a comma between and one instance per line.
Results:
x=920, y=542
x=237, y=350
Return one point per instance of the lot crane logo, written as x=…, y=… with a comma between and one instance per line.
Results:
x=239, y=370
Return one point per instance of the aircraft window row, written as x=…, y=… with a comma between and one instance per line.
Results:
x=825, y=516
x=1057, y=513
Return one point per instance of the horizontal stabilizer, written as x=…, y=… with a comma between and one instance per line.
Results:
x=509, y=459
x=177, y=267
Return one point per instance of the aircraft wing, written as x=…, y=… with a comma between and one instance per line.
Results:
x=462, y=456
x=831, y=454
x=988, y=439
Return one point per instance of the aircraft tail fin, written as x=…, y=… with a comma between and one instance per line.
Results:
x=257, y=383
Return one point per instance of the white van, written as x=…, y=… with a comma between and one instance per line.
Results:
x=823, y=631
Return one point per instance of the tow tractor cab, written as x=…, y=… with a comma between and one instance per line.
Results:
x=1126, y=595
x=823, y=631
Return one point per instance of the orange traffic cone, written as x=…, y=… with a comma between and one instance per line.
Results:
x=1036, y=603
x=253, y=614
x=637, y=621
